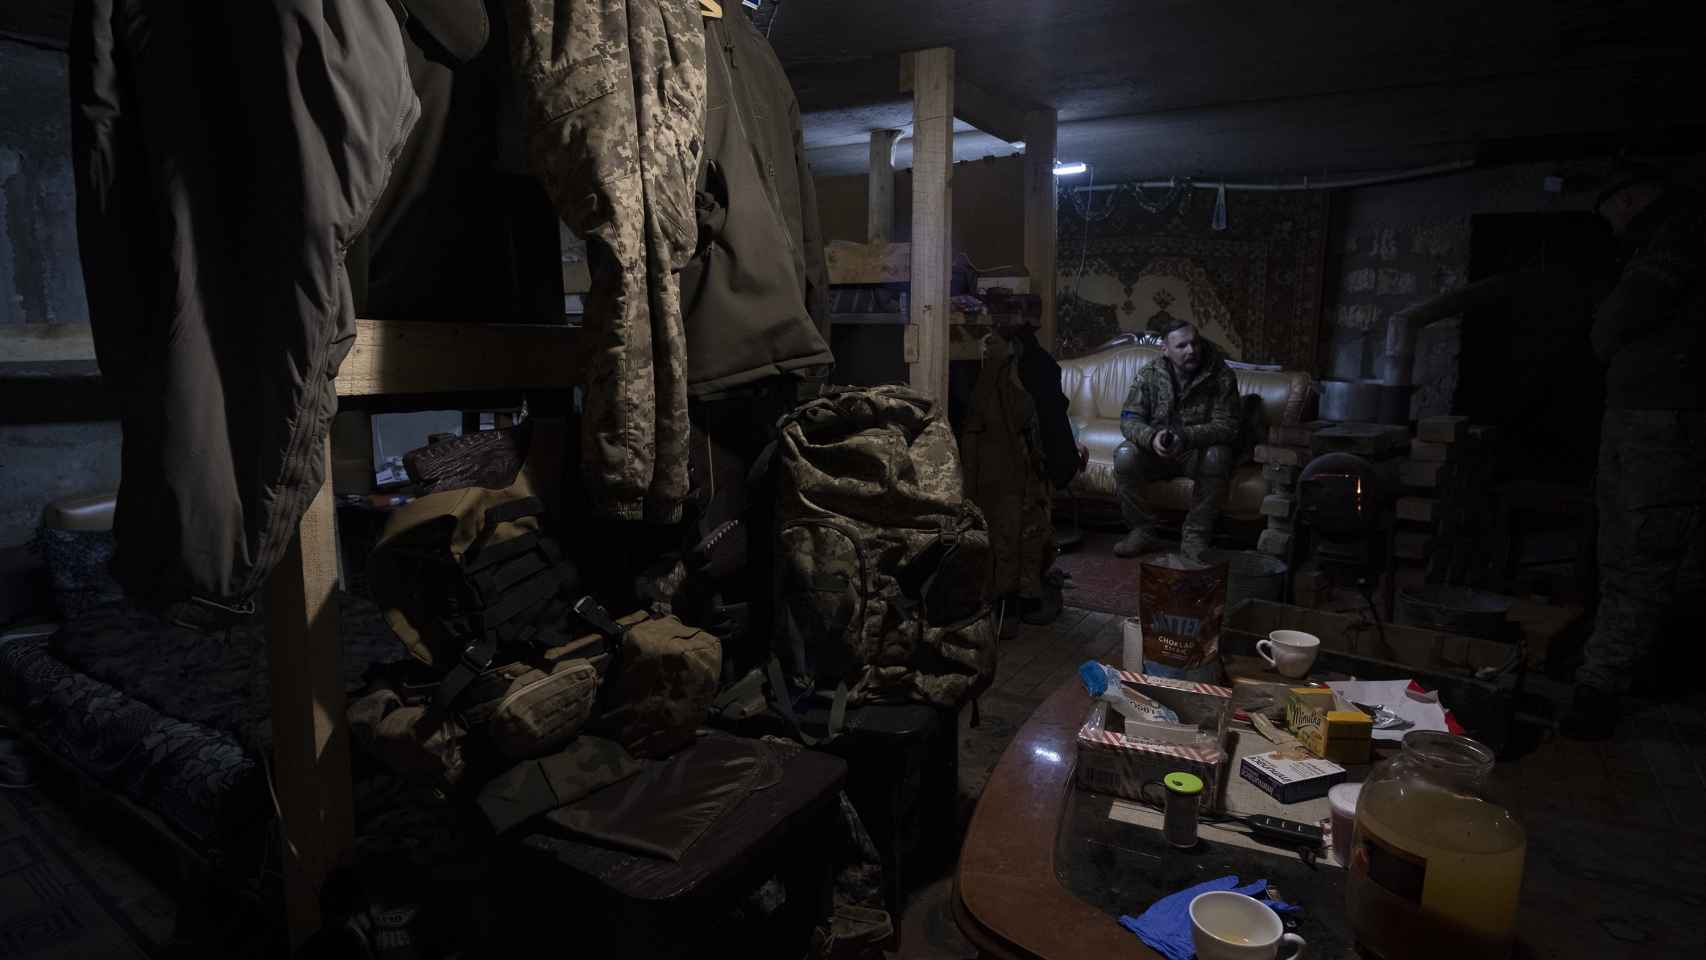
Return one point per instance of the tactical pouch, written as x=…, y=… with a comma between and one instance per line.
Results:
x=661, y=685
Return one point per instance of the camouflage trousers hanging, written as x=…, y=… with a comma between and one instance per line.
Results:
x=1652, y=536
x=615, y=93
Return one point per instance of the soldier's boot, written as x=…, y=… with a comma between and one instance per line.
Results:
x=1141, y=540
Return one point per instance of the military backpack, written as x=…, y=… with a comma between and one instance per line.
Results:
x=882, y=563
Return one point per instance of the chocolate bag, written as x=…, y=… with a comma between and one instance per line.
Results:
x=1181, y=605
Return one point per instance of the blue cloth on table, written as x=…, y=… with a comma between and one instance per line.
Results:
x=1166, y=925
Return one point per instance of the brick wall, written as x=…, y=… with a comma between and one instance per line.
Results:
x=1399, y=244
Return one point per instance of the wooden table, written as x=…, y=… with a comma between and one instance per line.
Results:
x=1008, y=901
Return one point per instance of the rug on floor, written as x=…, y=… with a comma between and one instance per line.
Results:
x=1100, y=580
x=62, y=896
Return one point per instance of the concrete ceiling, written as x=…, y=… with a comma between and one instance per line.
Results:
x=1254, y=90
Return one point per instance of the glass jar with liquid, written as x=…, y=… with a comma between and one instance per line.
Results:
x=1435, y=867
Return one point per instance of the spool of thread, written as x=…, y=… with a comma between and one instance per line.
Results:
x=1179, y=821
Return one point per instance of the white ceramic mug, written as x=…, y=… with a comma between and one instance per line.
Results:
x=1231, y=926
x=1291, y=652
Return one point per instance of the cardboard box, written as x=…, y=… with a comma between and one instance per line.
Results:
x=1110, y=762
x=1289, y=777
x=1342, y=736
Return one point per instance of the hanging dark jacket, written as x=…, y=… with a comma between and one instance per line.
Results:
x=615, y=98
x=1002, y=450
x=225, y=156
x=1040, y=374
x=755, y=294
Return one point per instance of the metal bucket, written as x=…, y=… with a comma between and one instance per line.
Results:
x=1459, y=610
x=1249, y=575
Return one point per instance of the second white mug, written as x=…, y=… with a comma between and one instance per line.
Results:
x=1231, y=926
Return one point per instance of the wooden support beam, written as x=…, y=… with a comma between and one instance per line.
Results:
x=1004, y=118
x=879, y=187
x=932, y=74
x=393, y=358
x=1041, y=216
x=310, y=733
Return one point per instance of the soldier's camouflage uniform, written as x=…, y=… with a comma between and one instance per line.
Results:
x=1204, y=412
x=1652, y=460
x=615, y=93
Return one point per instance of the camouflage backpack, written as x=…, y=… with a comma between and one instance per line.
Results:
x=511, y=655
x=882, y=563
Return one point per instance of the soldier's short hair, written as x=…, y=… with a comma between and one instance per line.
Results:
x=1165, y=328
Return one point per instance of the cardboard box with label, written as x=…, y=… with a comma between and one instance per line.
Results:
x=1342, y=736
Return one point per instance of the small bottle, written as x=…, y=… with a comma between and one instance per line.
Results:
x=1179, y=822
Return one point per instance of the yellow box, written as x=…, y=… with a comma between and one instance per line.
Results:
x=1342, y=736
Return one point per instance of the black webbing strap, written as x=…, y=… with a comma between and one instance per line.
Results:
x=595, y=616
x=491, y=554
x=524, y=596
x=476, y=658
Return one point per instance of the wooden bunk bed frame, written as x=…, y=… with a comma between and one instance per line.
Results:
x=311, y=749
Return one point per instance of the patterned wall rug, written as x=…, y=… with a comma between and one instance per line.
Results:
x=1129, y=259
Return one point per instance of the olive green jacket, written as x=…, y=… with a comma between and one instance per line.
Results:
x=1205, y=411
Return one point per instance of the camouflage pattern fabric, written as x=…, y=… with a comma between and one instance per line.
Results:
x=882, y=563
x=1652, y=536
x=1209, y=468
x=534, y=786
x=662, y=686
x=1003, y=452
x=615, y=93
x=1205, y=411
x=858, y=923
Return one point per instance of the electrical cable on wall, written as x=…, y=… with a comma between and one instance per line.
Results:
x=1086, y=211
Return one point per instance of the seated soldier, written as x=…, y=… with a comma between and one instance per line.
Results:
x=1181, y=418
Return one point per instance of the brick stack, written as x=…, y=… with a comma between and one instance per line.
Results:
x=1440, y=510
x=1283, y=458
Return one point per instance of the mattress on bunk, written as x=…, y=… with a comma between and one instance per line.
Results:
x=219, y=680
x=173, y=719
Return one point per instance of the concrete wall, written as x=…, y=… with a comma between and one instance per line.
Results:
x=43, y=314
x=41, y=282
x=1399, y=244
x=45, y=462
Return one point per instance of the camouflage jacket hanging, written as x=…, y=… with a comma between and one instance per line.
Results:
x=615, y=97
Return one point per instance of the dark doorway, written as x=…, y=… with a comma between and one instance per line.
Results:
x=1526, y=364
